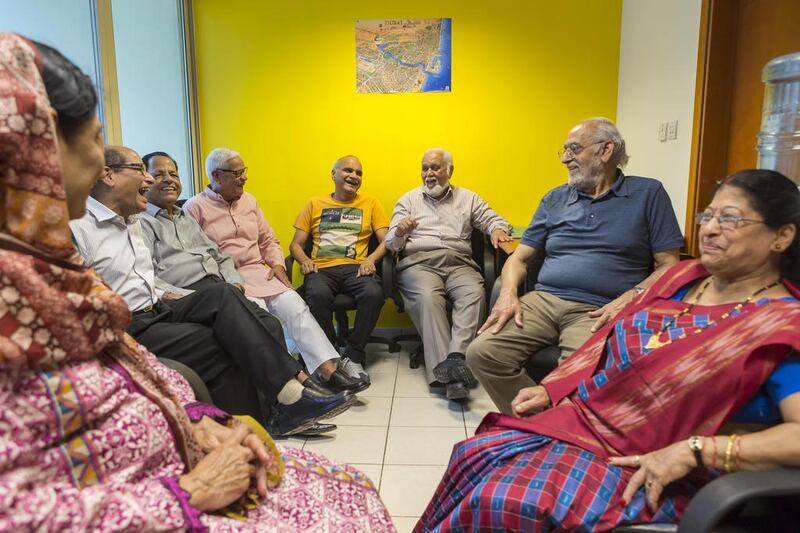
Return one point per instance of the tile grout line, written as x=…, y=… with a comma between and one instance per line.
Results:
x=389, y=423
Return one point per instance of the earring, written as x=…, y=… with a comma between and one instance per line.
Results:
x=778, y=248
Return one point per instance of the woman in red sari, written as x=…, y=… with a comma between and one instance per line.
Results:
x=640, y=417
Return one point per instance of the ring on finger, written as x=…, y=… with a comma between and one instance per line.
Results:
x=638, y=459
x=649, y=483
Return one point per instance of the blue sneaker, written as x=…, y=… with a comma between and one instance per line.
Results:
x=305, y=412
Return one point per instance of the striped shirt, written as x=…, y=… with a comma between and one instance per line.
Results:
x=444, y=223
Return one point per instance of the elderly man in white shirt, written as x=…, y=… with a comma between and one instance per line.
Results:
x=431, y=229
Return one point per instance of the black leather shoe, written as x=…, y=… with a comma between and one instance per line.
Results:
x=304, y=413
x=454, y=369
x=318, y=428
x=312, y=385
x=456, y=391
x=339, y=382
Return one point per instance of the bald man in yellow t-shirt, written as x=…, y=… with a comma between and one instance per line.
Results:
x=341, y=225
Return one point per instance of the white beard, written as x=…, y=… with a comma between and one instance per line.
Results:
x=582, y=183
x=434, y=192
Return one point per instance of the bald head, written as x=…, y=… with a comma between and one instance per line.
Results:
x=603, y=129
x=346, y=175
x=346, y=160
x=119, y=155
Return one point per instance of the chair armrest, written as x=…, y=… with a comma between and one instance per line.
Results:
x=714, y=501
x=199, y=388
x=289, y=264
x=389, y=280
x=489, y=268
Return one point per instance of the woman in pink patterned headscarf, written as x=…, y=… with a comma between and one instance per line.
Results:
x=95, y=434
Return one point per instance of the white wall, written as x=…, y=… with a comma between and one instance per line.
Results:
x=657, y=71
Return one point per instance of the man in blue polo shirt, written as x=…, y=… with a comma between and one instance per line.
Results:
x=602, y=233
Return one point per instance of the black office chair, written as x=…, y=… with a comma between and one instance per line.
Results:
x=482, y=254
x=743, y=502
x=199, y=388
x=344, y=303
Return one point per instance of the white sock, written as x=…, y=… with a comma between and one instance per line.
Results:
x=290, y=393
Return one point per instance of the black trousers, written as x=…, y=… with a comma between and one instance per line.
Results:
x=231, y=343
x=322, y=287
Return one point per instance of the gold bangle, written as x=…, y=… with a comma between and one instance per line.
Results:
x=726, y=465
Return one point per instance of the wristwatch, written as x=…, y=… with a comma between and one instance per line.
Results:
x=696, y=445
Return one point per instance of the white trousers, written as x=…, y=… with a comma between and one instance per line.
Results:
x=301, y=326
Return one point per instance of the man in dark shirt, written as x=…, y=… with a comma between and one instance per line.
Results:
x=601, y=234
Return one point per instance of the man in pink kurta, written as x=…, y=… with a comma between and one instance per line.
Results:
x=233, y=219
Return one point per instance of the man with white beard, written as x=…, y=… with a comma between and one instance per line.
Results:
x=431, y=228
x=601, y=234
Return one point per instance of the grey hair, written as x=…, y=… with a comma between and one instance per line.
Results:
x=608, y=132
x=217, y=157
x=446, y=155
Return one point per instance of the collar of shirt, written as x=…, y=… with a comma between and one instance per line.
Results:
x=619, y=188
x=154, y=211
x=447, y=194
x=102, y=213
x=209, y=193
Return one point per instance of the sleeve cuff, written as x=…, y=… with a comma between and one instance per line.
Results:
x=197, y=410
x=192, y=515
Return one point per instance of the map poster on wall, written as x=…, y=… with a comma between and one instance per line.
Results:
x=403, y=55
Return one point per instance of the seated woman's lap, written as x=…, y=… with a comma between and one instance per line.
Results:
x=518, y=481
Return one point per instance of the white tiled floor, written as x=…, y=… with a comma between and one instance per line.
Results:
x=401, y=434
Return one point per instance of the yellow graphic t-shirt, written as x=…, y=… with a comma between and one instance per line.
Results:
x=340, y=231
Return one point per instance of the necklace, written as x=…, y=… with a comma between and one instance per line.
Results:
x=655, y=341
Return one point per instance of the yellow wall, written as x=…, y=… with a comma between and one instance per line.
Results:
x=276, y=82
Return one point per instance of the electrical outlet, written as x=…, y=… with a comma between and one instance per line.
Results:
x=672, y=130
x=662, y=132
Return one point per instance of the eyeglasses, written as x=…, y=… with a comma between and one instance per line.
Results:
x=726, y=221
x=236, y=173
x=132, y=166
x=573, y=149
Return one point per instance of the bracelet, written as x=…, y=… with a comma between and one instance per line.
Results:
x=737, y=457
x=726, y=465
x=714, y=455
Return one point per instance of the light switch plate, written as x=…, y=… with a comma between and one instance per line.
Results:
x=672, y=130
x=662, y=132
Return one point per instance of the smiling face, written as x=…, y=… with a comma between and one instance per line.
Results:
x=166, y=187
x=130, y=186
x=587, y=165
x=229, y=180
x=436, y=173
x=741, y=250
x=347, y=174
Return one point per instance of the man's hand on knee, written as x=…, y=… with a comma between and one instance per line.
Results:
x=506, y=306
x=530, y=400
x=610, y=310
